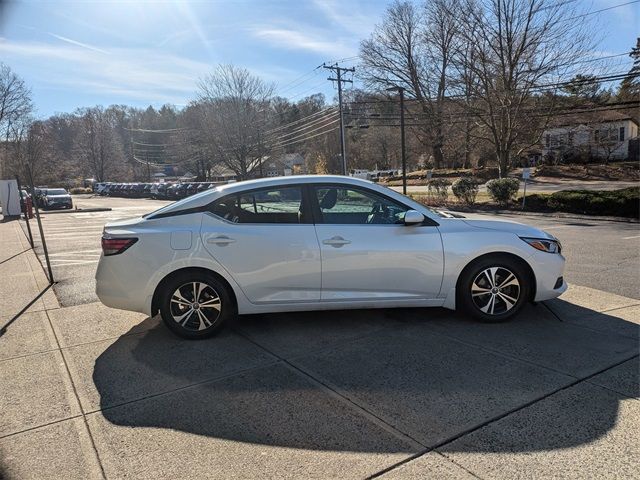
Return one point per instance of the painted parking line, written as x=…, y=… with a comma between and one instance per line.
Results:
x=60, y=265
x=84, y=252
x=631, y=238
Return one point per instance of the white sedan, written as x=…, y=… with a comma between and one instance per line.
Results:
x=319, y=243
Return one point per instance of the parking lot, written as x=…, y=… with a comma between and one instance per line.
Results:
x=423, y=393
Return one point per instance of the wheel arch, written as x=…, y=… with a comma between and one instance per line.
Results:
x=155, y=302
x=525, y=265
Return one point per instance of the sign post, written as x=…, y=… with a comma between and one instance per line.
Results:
x=526, y=173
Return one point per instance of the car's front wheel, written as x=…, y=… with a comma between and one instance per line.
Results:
x=195, y=305
x=494, y=289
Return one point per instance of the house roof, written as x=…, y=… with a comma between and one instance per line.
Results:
x=591, y=118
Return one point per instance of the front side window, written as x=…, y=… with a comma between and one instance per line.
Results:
x=340, y=205
x=272, y=205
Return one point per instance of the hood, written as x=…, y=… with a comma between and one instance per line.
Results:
x=499, y=224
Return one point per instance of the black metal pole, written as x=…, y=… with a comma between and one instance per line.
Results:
x=44, y=242
x=26, y=213
x=402, y=142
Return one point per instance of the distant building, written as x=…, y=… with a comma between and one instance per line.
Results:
x=282, y=165
x=221, y=173
x=603, y=135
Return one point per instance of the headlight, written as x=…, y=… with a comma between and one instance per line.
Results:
x=544, y=245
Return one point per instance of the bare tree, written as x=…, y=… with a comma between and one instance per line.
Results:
x=235, y=117
x=518, y=46
x=15, y=107
x=414, y=48
x=99, y=152
x=15, y=97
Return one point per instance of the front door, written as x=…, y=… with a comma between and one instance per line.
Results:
x=367, y=251
x=265, y=242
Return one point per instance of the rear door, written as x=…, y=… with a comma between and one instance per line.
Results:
x=367, y=251
x=266, y=241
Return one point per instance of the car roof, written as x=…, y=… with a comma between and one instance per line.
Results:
x=207, y=196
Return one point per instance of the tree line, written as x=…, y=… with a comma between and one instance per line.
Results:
x=483, y=79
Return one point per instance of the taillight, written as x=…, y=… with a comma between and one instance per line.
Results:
x=114, y=246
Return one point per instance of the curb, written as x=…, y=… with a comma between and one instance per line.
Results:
x=576, y=216
x=80, y=210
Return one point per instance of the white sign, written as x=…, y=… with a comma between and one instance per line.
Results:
x=9, y=198
x=526, y=173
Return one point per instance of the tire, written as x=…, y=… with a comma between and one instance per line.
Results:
x=487, y=288
x=195, y=319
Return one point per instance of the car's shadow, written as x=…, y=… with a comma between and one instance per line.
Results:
x=428, y=373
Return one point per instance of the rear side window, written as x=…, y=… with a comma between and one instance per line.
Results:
x=273, y=205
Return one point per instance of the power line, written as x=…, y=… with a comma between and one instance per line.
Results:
x=307, y=138
x=311, y=131
x=168, y=130
x=282, y=127
x=309, y=125
x=603, y=10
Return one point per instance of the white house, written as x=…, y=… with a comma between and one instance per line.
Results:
x=600, y=135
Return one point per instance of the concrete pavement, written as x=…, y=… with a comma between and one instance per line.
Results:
x=91, y=392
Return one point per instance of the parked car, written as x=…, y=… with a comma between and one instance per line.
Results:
x=171, y=192
x=40, y=192
x=181, y=190
x=56, y=198
x=192, y=189
x=319, y=243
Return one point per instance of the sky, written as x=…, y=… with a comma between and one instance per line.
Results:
x=81, y=53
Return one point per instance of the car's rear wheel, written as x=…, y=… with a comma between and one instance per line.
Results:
x=494, y=289
x=195, y=305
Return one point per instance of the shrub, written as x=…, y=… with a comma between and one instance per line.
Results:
x=617, y=203
x=538, y=202
x=502, y=190
x=466, y=189
x=79, y=190
x=439, y=188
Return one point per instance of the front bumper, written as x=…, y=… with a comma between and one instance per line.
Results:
x=548, y=268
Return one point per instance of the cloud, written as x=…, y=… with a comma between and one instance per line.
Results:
x=293, y=39
x=79, y=44
x=353, y=21
x=140, y=74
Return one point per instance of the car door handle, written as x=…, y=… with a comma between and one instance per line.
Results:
x=221, y=240
x=336, y=241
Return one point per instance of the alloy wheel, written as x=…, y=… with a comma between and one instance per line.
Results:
x=495, y=290
x=195, y=306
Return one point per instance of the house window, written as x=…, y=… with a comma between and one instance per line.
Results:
x=548, y=140
x=622, y=134
x=570, y=139
x=596, y=135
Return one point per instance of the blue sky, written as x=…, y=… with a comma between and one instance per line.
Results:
x=140, y=53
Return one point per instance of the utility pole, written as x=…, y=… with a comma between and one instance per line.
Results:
x=340, y=80
x=400, y=91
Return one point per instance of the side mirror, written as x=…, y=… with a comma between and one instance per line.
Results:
x=413, y=217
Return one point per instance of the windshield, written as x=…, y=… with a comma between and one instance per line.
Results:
x=57, y=191
x=435, y=212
